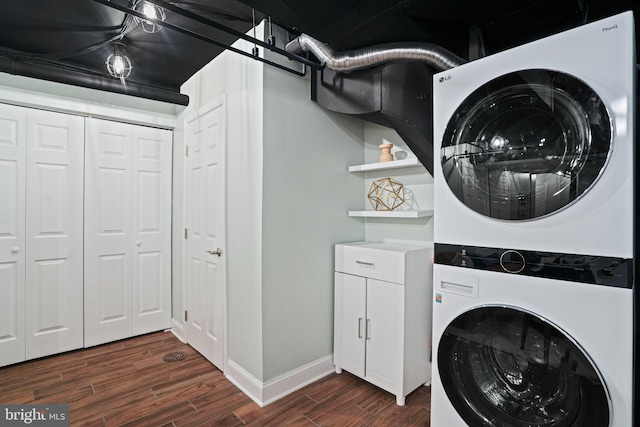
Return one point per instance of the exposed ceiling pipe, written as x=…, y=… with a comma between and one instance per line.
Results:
x=62, y=75
x=210, y=40
x=267, y=45
x=435, y=56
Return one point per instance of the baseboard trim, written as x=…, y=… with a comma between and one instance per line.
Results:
x=272, y=390
x=177, y=330
x=246, y=382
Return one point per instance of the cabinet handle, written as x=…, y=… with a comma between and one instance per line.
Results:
x=369, y=264
x=368, y=329
x=360, y=327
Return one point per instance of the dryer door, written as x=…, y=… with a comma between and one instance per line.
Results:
x=526, y=144
x=505, y=367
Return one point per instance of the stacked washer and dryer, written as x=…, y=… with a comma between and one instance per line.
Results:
x=534, y=234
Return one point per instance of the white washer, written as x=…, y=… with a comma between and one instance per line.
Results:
x=486, y=374
x=534, y=234
x=533, y=147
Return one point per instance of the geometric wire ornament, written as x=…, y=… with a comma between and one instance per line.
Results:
x=386, y=194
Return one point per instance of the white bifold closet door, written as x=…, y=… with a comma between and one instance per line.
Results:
x=41, y=256
x=127, y=230
x=13, y=155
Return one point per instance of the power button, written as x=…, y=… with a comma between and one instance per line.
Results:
x=512, y=261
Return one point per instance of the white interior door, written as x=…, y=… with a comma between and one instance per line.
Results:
x=108, y=236
x=13, y=133
x=54, y=240
x=205, y=284
x=151, y=216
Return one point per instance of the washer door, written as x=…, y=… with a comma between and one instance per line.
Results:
x=504, y=367
x=526, y=144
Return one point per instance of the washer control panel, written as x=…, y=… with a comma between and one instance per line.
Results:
x=592, y=269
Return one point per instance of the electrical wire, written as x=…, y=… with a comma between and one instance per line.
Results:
x=127, y=26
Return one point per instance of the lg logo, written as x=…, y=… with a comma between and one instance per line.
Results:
x=444, y=79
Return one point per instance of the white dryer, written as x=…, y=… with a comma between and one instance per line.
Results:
x=534, y=299
x=533, y=147
x=519, y=351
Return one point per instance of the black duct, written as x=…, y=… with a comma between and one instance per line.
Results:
x=395, y=95
x=76, y=78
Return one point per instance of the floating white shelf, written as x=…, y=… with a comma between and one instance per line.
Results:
x=395, y=164
x=392, y=214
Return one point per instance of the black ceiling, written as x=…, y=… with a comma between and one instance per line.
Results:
x=68, y=40
x=347, y=24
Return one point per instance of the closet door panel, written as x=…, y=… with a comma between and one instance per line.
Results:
x=108, y=257
x=151, y=292
x=12, y=233
x=54, y=255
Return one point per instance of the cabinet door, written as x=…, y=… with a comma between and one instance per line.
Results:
x=385, y=334
x=151, y=224
x=108, y=233
x=12, y=233
x=350, y=323
x=54, y=238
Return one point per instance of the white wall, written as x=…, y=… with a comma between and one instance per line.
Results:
x=418, y=184
x=306, y=194
x=287, y=190
x=239, y=81
x=29, y=92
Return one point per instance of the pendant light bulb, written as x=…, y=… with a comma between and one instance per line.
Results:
x=151, y=11
x=118, y=63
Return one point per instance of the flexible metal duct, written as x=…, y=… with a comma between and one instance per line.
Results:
x=435, y=56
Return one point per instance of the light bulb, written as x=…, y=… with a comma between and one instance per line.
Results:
x=149, y=10
x=118, y=65
x=498, y=142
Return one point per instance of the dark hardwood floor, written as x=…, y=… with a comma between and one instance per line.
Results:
x=128, y=383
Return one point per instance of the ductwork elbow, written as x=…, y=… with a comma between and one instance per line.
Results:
x=433, y=55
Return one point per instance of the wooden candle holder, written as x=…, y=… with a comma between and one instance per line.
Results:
x=385, y=152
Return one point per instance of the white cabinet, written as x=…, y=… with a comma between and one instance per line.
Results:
x=127, y=231
x=41, y=259
x=383, y=314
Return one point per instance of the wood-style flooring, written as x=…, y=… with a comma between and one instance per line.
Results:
x=127, y=383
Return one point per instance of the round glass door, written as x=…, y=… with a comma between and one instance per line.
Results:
x=504, y=367
x=526, y=144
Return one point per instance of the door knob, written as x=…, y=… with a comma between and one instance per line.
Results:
x=15, y=249
x=138, y=242
x=216, y=252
